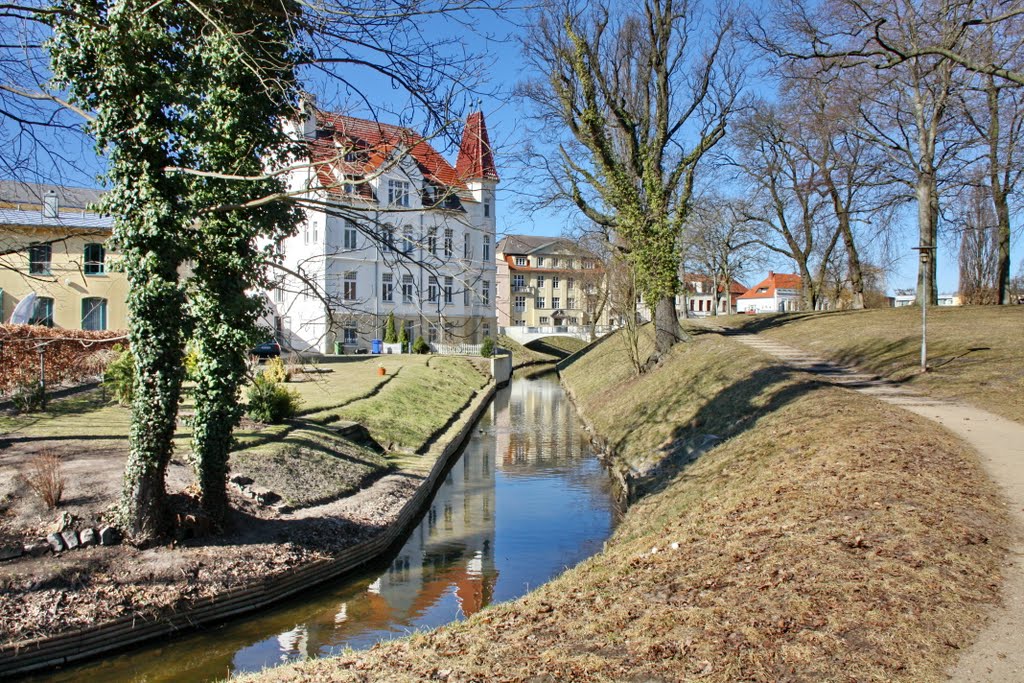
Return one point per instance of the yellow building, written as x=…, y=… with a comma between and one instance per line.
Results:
x=52, y=245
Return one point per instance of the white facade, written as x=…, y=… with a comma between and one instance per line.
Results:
x=360, y=256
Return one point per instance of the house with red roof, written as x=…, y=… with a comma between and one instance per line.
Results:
x=777, y=293
x=392, y=228
x=701, y=295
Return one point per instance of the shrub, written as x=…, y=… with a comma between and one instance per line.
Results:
x=29, y=396
x=45, y=478
x=276, y=371
x=119, y=377
x=191, y=361
x=487, y=348
x=420, y=346
x=270, y=402
x=403, y=339
x=390, y=337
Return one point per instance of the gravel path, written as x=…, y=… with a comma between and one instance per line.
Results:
x=998, y=652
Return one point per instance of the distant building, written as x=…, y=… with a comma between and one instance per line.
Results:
x=53, y=245
x=778, y=293
x=702, y=294
x=391, y=228
x=548, y=282
x=901, y=300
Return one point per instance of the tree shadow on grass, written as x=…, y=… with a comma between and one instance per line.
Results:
x=732, y=411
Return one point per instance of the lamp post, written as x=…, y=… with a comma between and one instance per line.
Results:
x=925, y=254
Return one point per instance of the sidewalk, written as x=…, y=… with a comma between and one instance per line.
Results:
x=998, y=652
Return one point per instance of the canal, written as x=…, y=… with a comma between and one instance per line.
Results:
x=525, y=500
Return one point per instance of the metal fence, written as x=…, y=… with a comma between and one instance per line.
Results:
x=455, y=349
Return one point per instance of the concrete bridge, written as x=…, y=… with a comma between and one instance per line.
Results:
x=524, y=335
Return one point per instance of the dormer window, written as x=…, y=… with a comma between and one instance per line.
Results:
x=398, y=193
x=762, y=290
x=520, y=260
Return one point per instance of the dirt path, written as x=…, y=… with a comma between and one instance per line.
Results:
x=998, y=652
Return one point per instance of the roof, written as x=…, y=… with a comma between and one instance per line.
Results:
x=476, y=158
x=528, y=244
x=356, y=148
x=735, y=288
x=15, y=193
x=773, y=282
x=35, y=218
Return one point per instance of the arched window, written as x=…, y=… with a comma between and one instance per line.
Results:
x=94, y=313
x=94, y=255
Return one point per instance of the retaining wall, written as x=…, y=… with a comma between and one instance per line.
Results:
x=90, y=642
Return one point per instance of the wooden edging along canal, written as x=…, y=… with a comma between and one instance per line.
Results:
x=40, y=653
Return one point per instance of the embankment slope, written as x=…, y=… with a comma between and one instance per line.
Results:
x=787, y=531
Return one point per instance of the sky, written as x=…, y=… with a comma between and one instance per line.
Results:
x=508, y=125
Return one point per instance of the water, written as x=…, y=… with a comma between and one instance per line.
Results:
x=526, y=500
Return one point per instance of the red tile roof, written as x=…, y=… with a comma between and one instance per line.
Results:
x=476, y=158
x=355, y=148
x=735, y=288
x=773, y=282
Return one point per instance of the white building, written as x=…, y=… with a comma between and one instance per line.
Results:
x=391, y=227
x=778, y=293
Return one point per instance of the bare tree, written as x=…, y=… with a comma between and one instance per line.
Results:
x=644, y=94
x=979, y=250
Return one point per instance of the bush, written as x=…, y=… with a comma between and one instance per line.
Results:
x=276, y=371
x=403, y=339
x=45, y=478
x=192, y=361
x=270, y=402
x=29, y=396
x=119, y=377
x=390, y=337
x=420, y=346
x=487, y=348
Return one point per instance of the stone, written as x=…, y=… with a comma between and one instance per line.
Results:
x=88, y=537
x=37, y=548
x=109, y=536
x=70, y=539
x=8, y=551
x=263, y=495
x=56, y=542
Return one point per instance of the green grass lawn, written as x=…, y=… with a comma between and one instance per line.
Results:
x=976, y=353
x=305, y=460
x=521, y=355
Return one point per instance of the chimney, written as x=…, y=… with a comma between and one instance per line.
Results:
x=51, y=204
x=771, y=274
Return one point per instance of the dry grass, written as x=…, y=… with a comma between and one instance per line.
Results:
x=827, y=537
x=521, y=355
x=976, y=352
x=45, y=478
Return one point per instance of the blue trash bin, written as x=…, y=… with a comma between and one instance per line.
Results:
x=376, y=346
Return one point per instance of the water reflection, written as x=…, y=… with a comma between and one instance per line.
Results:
x=526, y=499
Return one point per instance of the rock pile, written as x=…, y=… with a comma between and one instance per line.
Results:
x=60, y=541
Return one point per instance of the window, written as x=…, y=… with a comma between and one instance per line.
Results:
x=431, y=333
x=520, y=323
x=449, y=239
x=387, y=235
x=407, y=324
x=570, y=283
x=94, y=254
x=518, y=281
x=305, y=233
x=398, y=193
x=407, y=241
x=39, y=256
x=279, y=293
x=387, y=287
x=43, y=312
x=94, y=314
x=556, y=302
x=465, y=296
x=485, y=293
x=544, y=320
x=588, y=265
x=555, y=281
x=520, y=260
x=485, y=329
x=467, y=247
x=407, y=289
x=540, y=302
x=570, y=302
x=432, y=241
x=487, y=205
x=432, y=289
x=350, y=236
x=349, y=288
x=487, y=249
x=540, y=280
x=574, y=320
x=520, y=303
x=348, y=187
x=350, y=333
x=449, y=283
x=540, y=261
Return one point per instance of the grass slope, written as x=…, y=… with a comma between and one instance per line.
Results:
x=976, y=352
x=826, y=537
x=521, y=355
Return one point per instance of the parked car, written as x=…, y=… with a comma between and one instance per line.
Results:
x=267, y=349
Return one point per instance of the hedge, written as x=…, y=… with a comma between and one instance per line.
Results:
x=70, y=356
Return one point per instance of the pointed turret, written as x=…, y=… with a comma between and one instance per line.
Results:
x=476, y=158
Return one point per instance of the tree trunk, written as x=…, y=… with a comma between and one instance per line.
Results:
x=667, y=332
x=927, y=218
x=157, y=349
x=1003, y=265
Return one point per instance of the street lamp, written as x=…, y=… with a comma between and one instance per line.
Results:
x=925, y=254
